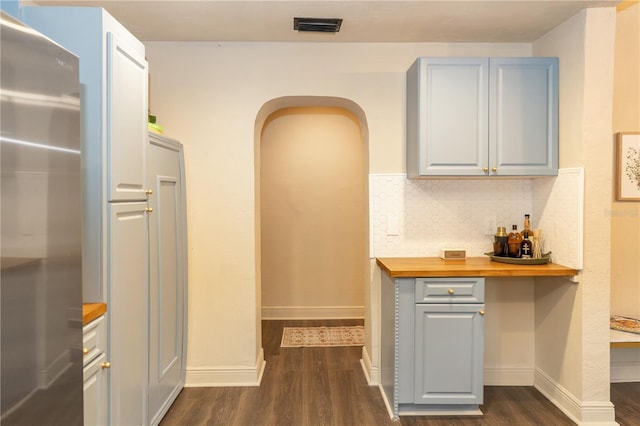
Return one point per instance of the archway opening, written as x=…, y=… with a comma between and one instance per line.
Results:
x=312, y=209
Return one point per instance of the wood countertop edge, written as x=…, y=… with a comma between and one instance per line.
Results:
x=470, y=267
x=91, y=311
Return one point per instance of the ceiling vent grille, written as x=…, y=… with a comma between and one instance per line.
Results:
x=318, y=25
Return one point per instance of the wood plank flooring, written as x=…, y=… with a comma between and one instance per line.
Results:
x=326, y=386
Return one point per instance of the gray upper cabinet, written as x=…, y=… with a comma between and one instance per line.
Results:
x=482, y=117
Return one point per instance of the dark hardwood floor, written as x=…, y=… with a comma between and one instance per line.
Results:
x=326, y=386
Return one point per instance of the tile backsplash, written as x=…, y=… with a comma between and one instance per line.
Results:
x=419, y=217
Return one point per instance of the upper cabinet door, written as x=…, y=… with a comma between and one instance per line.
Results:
x=482, y=117
x=127, y=79
x=447, y=116
x=523, y=130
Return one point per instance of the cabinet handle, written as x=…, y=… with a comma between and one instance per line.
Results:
x=450, y=291
x=148, y=209
x=494, y=169
x=106, y=364
x=485, y=169
x=148, y=191
x=481, y=311
x=85, y=351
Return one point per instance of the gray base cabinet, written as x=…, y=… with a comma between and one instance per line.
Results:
x=482, y=117
x=448, y=354
x=432, y=345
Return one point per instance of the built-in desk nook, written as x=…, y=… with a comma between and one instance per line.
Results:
x=432, y=331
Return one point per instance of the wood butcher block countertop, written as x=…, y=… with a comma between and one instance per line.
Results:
x=91, y=311
x=398, y=267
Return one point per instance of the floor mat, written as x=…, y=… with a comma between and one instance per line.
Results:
x=296, y=337
x=621, y=323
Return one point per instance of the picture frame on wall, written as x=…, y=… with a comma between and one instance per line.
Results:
x=628, y=166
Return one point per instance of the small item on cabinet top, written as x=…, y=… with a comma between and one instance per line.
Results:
x=500, y=246
x=526, y=247
x=537, y=244
x=514, y=242
x=527, y=226
x=453, y=254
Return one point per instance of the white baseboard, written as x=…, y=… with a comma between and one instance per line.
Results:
x=598, y=413
x=509, y=376
x=627, y=371
x=239, y=375
x=311, y=312
x=371, y=373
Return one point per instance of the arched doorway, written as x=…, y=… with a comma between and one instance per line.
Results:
x=273, y=119
x=312, y=214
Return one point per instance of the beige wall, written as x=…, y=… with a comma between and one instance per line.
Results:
x=625, y=216
x=313, y=209
x=209, y=96
x=572, y=336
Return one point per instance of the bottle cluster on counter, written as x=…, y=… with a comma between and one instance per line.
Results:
x=525, y=244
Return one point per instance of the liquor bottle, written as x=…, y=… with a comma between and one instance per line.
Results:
x=526, y=246
x=527, y=226
x=514, y=241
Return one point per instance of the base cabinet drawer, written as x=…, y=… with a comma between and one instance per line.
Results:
x=450, y=290
x=96, y=368
x=95, y=391
x=94, y=339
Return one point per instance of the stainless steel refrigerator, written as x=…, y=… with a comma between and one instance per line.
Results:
x=40, y=226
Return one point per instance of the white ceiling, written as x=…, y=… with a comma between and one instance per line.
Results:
x=363, y=21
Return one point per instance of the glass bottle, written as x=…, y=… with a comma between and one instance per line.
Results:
x=526, y=246
x=514, y=241
x=527, y=226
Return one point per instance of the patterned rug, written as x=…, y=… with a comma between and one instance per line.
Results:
x=296, y=337
x=631, y=325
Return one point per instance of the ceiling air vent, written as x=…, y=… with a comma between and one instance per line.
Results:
x=318, y=25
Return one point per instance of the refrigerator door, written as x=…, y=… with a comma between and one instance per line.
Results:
x=40, y=226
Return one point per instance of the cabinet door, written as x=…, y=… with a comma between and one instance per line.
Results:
x=128, y=282
x=166, y=277
x=448, y=354
x=447, y=116
x=95, y=393
x=523, y=128
x=127, y=80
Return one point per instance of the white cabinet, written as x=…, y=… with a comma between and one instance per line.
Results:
x=127, y=80
x=94, y=342
x=432, y=344
x=167, y=274
x=482, y=117
x=128, y=277
x=114, y=79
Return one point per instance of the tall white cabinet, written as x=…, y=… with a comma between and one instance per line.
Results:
x=167, y=273
x=132, y=240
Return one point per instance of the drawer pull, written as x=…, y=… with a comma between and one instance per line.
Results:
x=85, y=351
x=106, y=364
x=148, y=209
x=450, y=291
x=481, y=312
x=148, y=191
